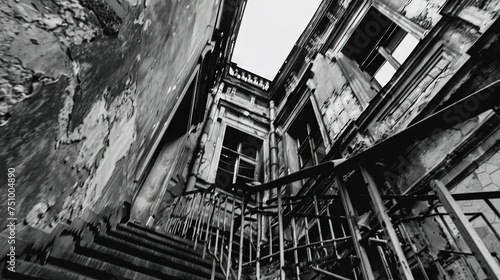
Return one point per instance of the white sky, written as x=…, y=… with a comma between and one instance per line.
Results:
x=268, y=32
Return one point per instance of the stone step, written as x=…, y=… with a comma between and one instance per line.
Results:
x=165, y=267
x=160, y=238
x=29, y=270
x=162, y=235
x=67, y=258
x=143, y=244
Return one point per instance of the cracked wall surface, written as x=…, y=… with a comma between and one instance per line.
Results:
x=83, y=91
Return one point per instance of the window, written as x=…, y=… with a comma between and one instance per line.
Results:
x=379, y=47
x=307, y=137
x=238, y=159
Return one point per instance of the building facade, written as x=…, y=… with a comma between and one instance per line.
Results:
x=373, y=154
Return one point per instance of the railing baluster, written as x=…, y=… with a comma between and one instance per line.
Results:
x=213, y=203
x=250, y=240
x=216, y=245
x=223, y=228
x=176, y=218
x=332, y=232
x=189, y=216
x=309, y=255
x=169, y=214
x=316, y=211
x=242, y=236
x=199, y=220
x=259, y=237
x=295, y=243
x=231, y=233
x=181, y=216
x=270, y=229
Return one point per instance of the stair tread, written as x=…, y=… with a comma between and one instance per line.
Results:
x=36, y=271
x=151, y=246
x=168, y=268
x=161, y=234
x=162, y=238
x=92, y=267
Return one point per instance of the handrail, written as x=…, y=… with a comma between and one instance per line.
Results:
x=215, y=217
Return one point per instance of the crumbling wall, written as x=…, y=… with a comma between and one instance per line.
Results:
x=86, y=93
x=425, y=13
x=336, y=99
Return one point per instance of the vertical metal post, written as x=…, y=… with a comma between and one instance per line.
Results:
x=250, y=241
x=169, y=215
x=330, y=224
x=216, y=245
x=406, y=235
x=481, y=252
x=190, y=185
x=231, y=233
x=259, y=237
x=223, y=228
x=295, y=243
x=270, y=228
x=387, y=268
x=197, y=217
x=309, y=254
x=352, y=220
x=385, y=221
x=316, y=211
x=242, y=236
x=207, y=229
x=191, y=210
x=281, y=235
x=201, y=217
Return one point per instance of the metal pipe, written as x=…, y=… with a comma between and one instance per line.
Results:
x=203, y=139
x=385, y=221
x=309, y=254
x=406, y=235
x=330, y=225
x=199, y=219
x=207, y=229
x=250, y=241
x=352, y=220
x=231, y=229
x=259, y=237
x=481, y=252
x=295, y=253
x=329, y=274
x=223, y=228
x=190, y=216
x=318, y=221
x=242, y=236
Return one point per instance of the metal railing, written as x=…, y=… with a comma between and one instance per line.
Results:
x=318, y=233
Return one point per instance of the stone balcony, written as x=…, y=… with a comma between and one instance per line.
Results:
x=249, y=77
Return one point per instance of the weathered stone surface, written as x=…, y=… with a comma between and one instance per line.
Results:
x=46, y=56
x=78, y=141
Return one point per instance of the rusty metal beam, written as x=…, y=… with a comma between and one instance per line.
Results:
x=385, y=221
x=474, y=242
x=352, y=220
x=329, y=274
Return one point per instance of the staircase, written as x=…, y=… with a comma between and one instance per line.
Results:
x=109, y=247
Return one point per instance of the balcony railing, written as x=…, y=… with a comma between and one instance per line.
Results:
x=249, y=78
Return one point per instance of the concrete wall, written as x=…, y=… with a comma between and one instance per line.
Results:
x=91, y=105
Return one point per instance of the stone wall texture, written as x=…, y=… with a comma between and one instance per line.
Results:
x=85, y=89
